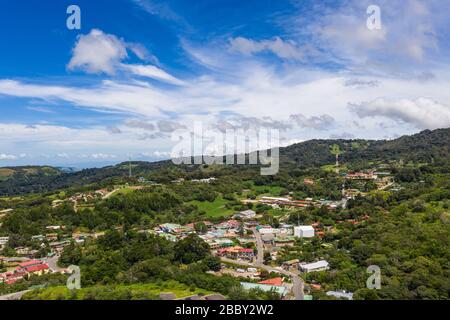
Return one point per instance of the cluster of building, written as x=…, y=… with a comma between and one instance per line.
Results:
x=236, y=253
x=24, y=270
x=276, y=202
x=361, y=176
x=221, y=235
x=205, y=180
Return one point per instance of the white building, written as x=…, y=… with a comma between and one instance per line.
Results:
x=340, y=294
x=4, y=240
x=304, y=231
x=269, y=231
x=247, y=214
x=316, y=266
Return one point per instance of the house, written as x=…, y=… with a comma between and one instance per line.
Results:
x=174, y=228
x=340, y=294
x=247, y=214
x=283, y=242
x=37, y=270
x=33, y=267
x=11, y=277
x=38, y=237
x=315, y=286
x=290, y=264
x=230, y=224
x=207, y=180
x=59, y=245
x=29, y=263
x=361, y=176
x=304, y=232
x=314, y=267
x=236, y=252
x=221, y=243
x=273, y=282
x=281, y=290
x=246, y=240
x=56, y=203
x=55, y=227
x=268, y=230
x=23, y=251
x=25, y=269
x=52, y=236
x=3, y=240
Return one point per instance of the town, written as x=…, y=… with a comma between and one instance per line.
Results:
x=249, y=246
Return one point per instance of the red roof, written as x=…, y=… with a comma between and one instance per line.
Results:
x=11, y=281
x=273, y=282
x=30, y=263
x=36, y=268
x=246, y=250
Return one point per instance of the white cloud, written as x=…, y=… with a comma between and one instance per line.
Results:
x=4, y=156
x=161, y=154
x=423, y=113
x=103, y=156
x=282, y=49
x=98, y=52
x=63, y=155
x=405, y=44
x=153, y=72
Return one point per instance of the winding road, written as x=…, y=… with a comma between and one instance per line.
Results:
x=13, y=296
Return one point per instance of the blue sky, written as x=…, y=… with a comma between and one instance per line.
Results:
x=140, y=69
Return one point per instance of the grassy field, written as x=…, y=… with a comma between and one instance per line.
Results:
x=123, y=191
x=268, y=190
x=135, y=291
x=213, y=209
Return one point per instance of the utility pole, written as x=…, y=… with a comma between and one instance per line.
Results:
x=129, y=163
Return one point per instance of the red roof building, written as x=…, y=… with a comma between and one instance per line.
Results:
x=273, y=282
x=30, y=263
x=36, y=268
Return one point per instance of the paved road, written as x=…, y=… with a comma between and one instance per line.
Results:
x=13, y=296
x=297, y=282
x=259, y=246
x=106, y=196
x=52, y=263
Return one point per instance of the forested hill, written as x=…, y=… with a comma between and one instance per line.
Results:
x=423, y=147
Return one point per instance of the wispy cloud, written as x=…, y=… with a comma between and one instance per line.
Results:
x=423, y=113
x=98, y=52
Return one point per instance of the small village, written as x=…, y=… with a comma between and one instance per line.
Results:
x=240, y=242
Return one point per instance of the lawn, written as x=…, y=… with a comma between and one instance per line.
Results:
x=213, y=209
x=123, y=191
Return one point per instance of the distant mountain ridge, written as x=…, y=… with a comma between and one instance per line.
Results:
x=422, y=147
